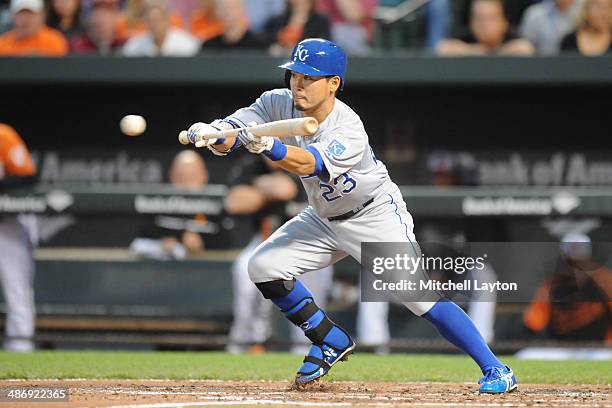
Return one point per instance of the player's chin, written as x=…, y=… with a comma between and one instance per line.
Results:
x=299, y=105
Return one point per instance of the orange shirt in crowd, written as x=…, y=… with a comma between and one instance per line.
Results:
x=290, y=35
x=205, y=25
x=565, y=318
x=46, y=42
x=15, y=159
x=125, y=29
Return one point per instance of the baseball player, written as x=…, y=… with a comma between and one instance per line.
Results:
x=16, y=264
x=352, y=200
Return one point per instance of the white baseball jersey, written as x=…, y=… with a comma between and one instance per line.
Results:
x=354, y=175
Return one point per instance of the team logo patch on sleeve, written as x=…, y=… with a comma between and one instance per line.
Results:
x=335, y=148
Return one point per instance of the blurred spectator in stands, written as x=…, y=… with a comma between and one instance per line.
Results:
x=261, y=190
x=132, y=22
x=513, y=10
x=441, y=165
x=575, y=302
x=184, y=9
x=5, y=16
x=30, y=36
x=489, y=34
x=162, y=39
x=452, y=169
x=65, y=16
x=204, y=21
x=17, y=169
x=299, y=20
x=545, y=24
x=174, y=237
x=439, y=20
x=352, y=23
x=260, y=11
x=594, y=31
x=101, y=36
x=236, y=32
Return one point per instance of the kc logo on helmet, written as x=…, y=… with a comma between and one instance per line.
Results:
x=300, y=53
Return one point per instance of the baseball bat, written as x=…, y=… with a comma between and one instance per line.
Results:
x=281, y=128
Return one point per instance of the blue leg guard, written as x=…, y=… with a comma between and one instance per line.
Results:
x=330, y=342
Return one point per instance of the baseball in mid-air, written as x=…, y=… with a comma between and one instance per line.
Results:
x=133, y=125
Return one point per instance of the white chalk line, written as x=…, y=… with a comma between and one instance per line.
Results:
x=213, y=398
x=338, y=404
x=241, y=402
x=374, y=399
x=179, y=392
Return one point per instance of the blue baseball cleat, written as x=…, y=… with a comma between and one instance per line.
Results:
x=319, y=360
x=498, y=380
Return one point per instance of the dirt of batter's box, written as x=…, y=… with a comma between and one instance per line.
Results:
x=87, y=393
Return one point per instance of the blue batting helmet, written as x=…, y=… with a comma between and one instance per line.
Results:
x=317, y=57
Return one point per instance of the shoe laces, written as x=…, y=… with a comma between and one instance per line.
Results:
x=492, y=373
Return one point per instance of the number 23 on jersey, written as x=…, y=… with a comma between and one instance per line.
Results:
x=342, y=184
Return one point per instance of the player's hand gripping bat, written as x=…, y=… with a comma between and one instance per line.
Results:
x=281, y=128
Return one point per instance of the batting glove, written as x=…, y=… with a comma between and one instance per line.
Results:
x=255, y=144
x=198, y=129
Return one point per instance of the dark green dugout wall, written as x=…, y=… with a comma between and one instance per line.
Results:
x=489, y=103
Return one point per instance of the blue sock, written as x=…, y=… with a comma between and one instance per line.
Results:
x=457, y=327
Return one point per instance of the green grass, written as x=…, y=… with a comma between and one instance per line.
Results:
x=281, y=366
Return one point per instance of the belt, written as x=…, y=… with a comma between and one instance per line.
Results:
x=349, y=214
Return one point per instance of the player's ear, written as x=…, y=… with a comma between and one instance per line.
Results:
x=334, y=84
